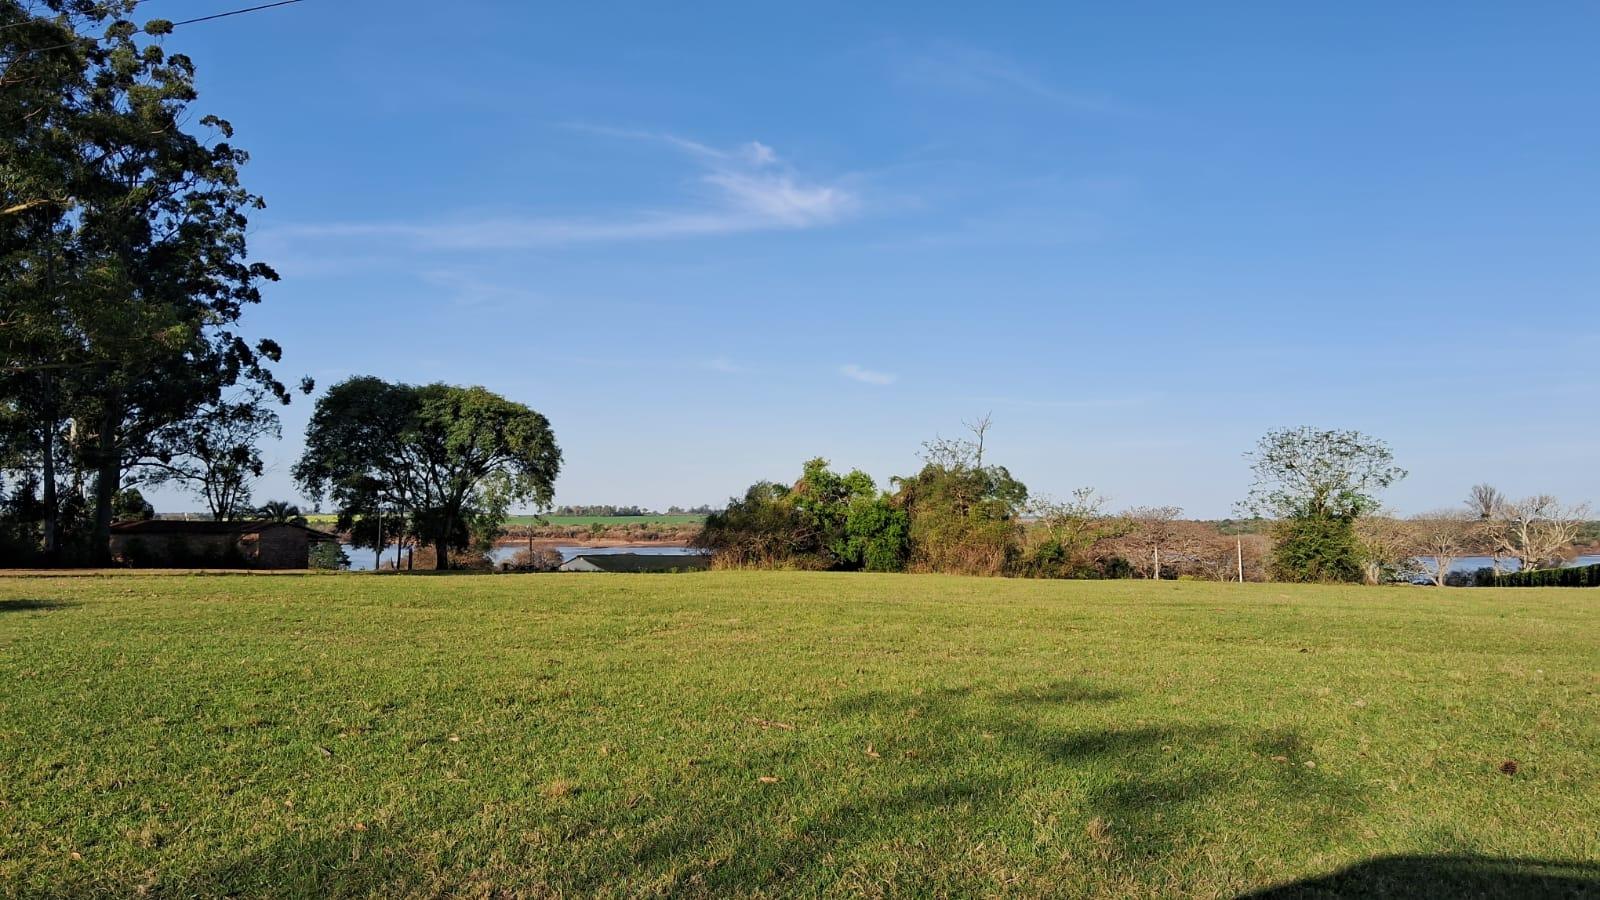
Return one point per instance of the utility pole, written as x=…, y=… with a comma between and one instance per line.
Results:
x=1156, y=573
x=377, y=552
x=1239, y=545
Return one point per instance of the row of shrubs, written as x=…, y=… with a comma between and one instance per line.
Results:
x=1577, y=576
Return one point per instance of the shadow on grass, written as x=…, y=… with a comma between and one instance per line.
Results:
x=29, y=605
x=344, y=866
x=1441, y=877
x=983, y=787
x=1072, y=690
x=999, y=766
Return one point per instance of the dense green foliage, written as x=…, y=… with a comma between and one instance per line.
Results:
x=876, y=535
x=328, y=555
x=123, y=263
x=1572, y=576
x=438, y=462
x=823, y=521
x=1315, y=548
x=964, y=517
x=804, y=734
x=955, y=515
x=1315, y=484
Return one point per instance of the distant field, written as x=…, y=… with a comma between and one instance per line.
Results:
x=612, y=520
x=327, y=519
x=798, y=734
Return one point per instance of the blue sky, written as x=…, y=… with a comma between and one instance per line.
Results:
x=710, y=243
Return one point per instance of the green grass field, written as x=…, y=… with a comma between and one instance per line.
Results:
x=782, y=734
x=329, y=519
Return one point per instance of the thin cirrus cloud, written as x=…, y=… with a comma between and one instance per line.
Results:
x=956, y=67
x=723, y=365
x=864, y=375
x=746, y=188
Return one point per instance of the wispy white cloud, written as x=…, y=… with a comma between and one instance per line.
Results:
x=467, y=289
x=962, y=68
x=724, y=365
x=866, y=376
x=746, y=188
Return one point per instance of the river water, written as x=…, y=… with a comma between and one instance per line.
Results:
x=1474, y=563
x=361, y=559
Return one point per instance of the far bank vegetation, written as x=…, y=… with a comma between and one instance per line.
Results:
x=1313, y=515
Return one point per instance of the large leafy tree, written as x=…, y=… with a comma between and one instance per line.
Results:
x=449, y=460
x=44, y=74
x=123, y=241
x=1315, y=484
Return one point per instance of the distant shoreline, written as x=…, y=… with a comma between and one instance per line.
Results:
x=587, y=542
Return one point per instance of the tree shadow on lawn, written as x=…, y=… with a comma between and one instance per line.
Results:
x=32, y=605
x=983, y=788
x=349, y=865
x=1445, y=878
x=1124, y=797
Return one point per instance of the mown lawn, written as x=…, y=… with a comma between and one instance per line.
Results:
x=776, y=733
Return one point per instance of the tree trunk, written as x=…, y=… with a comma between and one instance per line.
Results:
x=441, y=554
x=52, y=502
x=108, y=472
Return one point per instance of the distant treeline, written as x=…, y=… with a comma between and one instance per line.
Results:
x=1312, y=516
x=959, y=514
x=608, y=511
x=629, y=532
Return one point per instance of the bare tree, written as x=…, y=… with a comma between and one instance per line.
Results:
x=979, y=427
x=1076, y=523
x=1153, y=529
x=1487, y=505
x=1537, y=531
x=959, y=453
x=1484, y=502
x=1444, y=536
x=1221, y=557
x=1387, y=548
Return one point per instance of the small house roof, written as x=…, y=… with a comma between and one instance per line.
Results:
x=182, y=526
x=644, y=562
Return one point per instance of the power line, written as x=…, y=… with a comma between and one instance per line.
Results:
x=236, y=12
x=222, y=15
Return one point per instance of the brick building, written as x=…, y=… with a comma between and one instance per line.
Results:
x=171, y=544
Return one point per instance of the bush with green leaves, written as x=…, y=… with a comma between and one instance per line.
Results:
x=1316, y=549
x=825, y=520
x=877, y=535
x=1315, y=484
x=964, y=518
x=328, y=555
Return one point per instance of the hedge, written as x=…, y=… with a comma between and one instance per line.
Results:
x=1578, y=576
